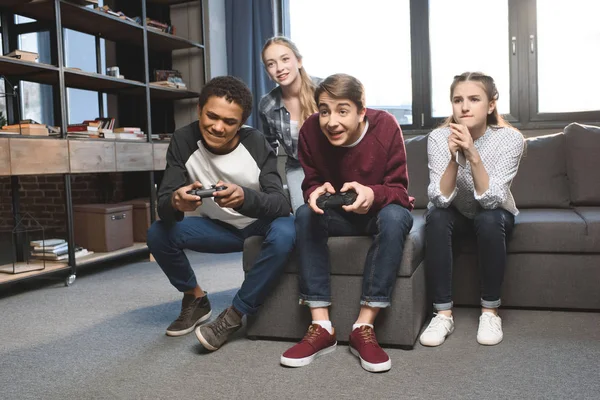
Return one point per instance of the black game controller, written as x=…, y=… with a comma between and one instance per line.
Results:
x=329, y=200
x=204, y=193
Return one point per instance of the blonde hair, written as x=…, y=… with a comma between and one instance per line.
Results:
x=307, y=88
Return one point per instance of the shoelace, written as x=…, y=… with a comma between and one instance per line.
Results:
x=491, y=324
x=186, y=311
x=221, y=325
x=436, y=323
x=367, y=335
x=311, y=334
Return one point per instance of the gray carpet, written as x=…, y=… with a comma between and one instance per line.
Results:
x=103, y=338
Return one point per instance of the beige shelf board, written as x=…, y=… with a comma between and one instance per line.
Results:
x=22, y=266
x=97, y=257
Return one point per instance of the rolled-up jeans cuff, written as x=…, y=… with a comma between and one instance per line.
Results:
x=490, y=303
x=443, y=306
x=374, y=304
x=314, y=301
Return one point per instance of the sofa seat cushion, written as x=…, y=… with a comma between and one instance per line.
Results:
x=549, y=231
x=591, y=216
x=542, y=231
x=348, y=253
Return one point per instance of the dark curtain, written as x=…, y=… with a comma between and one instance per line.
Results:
x=249, y=25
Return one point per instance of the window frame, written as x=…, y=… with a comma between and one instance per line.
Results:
x=523, y=78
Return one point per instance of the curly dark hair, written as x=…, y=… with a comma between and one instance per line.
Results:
x=232, y=89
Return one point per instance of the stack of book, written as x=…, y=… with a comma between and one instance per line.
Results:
x=26, y=129
x=88, y=129
x=168, y=78
x=159, y=26
x=55, y=250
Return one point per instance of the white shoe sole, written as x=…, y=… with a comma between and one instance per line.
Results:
x=191, y=328
x=203, y=341
x=381, y=367
x=435, y=344
x=488, y=342
x=301, y=362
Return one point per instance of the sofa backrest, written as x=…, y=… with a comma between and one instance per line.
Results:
x=540, y=183
x=418, y=171
x=583, y=163
x=542, y=178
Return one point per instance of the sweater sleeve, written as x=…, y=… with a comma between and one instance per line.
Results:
x=502, y=173
x=312, y=177
x=438, y=158
x=271, y=200
x=175, y=176
x=394, y=188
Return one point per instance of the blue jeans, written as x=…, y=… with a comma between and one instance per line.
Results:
x=388, y=227
x=167, y=241
x=491, y=227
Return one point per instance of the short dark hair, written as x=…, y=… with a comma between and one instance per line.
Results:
x=232, y=89
x=342, y=86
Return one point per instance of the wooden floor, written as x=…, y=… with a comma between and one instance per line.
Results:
x=35, y=268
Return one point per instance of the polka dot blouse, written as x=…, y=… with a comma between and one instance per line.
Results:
x=500, y=150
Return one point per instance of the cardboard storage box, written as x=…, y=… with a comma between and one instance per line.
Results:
x=103, y=227
x=141, y=218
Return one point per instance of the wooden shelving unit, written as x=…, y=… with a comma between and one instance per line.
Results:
x=53, y=266
x=36, y=155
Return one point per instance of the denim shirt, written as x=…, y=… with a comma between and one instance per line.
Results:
x=275, y=120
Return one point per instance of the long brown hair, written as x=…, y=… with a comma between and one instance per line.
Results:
x=307, y=88
x=494, y=119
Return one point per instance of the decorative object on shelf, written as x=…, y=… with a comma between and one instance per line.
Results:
x=169, y=78
x=113, y=71
x=15, y=95
x=24, y=55
x=21, y=239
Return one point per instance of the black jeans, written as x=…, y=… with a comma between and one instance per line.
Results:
x=491, y=227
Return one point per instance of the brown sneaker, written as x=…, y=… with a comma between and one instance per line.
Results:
x=194, y=311
x=213, y=335
x=363, y=344
x=315, y=343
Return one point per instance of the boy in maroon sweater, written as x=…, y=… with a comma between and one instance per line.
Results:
x=346, y=148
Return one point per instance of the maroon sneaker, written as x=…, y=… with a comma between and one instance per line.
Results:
x=315, y=343
x=363, y=344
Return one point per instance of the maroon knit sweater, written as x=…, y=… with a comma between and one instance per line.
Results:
x=378, y=161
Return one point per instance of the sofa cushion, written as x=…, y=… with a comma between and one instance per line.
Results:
x=418, y=171
x=549, y=231
x=591, y=216
x=541, y=181
x=583, y=163
x=348, y=253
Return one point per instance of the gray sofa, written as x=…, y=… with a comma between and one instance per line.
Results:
x=553, y=261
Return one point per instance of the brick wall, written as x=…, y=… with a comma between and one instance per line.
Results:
x=44, y=197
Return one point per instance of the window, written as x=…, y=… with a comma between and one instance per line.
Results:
x=543, y=54
x=36, y=99
x=80, y=52
x=456, y=29
x=338, y=38
x=568, y=58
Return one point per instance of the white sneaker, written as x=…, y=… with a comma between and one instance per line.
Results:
x=437, y=330
x=490, y=329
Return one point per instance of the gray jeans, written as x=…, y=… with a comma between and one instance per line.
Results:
x=294, y=175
